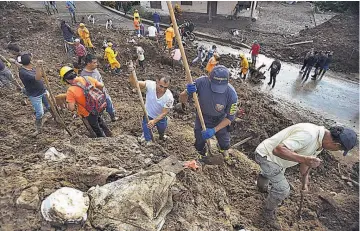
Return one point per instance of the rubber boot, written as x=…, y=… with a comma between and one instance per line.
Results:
x=262, y=183
x=270, y=219
x=38, y=127
x=113, y=117
x=107, y=131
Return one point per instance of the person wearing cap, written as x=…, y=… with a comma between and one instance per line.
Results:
x=218, y=102
x=275, y=69
x=31, y=77
x=85, y=36
x=91, y=70
x=169, y=36
x=80, y=50
x=255, y=49
x=298, y=144
x=212, y=63
x=244, y=66
x=110, y=56
x=76, y=100
x=136, y=14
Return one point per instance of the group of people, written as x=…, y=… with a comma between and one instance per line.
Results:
x=50, y=5
x=321, y=60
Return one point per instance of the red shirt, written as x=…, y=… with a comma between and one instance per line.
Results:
x=80, y=50
x=255, y=49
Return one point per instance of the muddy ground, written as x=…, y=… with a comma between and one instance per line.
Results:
x=218, y=198
x=275, y=29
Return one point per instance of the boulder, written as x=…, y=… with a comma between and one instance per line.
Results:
x=29, y=198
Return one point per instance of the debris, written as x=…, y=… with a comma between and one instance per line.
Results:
x=242, y=142
x=350, y=180
x=193, y=165
x=65, y=205
x=29, y=198
x=53, y=155
x=298, y=43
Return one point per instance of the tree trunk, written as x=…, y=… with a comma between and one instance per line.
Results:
x=210, y=16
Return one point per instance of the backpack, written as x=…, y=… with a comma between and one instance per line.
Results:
x=95, y=98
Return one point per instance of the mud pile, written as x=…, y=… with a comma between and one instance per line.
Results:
x=217, y=198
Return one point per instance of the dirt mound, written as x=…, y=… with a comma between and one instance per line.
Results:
x=218, y=198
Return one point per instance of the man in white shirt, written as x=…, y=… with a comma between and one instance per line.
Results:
x=299, y=143
x=152, y=32
x=159, y=100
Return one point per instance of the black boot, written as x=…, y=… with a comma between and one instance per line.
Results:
x=38, y=127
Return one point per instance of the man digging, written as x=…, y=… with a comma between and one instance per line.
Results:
x=299, y=143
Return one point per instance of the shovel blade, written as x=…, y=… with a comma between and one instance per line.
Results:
x=213, y=160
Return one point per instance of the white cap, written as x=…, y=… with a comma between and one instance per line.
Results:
x=77, y=40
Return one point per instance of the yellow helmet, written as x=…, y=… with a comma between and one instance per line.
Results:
x=81, y=24
x=242, y=56
x=109, y=44
x=63, y=71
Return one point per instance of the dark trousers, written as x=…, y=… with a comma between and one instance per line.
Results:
x=272, y=79
x=322, y=71
x=307, y=72
x=80, y=58
x=304, y=65
x=98, y=125
x=141, y=64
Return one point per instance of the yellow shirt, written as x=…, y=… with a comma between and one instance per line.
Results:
x=244, y=63
x=169, y=34
x=111, y=55
x=136, y=14
x=304, y=139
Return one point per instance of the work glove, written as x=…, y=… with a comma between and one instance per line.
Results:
x=191, y=88
x=208, y=133
x=8, y=64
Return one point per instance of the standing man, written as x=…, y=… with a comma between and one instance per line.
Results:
x=169, y=36
x=68, y=35
x=92, y=71
x=110, y=56
x=200, y=55
x=153, y=34
x=76, y=99
x=275, y=69
x=308, y=54
x=85, y=36
x=255, y=49
x=319, y=64
x=218, y=102
x=140, y=57
x=136, y=14
x=212, y=63
x=80, y=50
x=244, y=66
x=157, y=18
x=47, y=7
x=6, y=77
x=310, y=63
x=137, y=26
x=31, y=78
x=299, y=143
x=326, y=64
x=70, y=5
x=53, y=6
x=159, y=100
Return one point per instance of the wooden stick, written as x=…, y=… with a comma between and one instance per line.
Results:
x=242, y=142
x=187, y=69
x=141, y=99
x=52, y=102
x=88, y=127
x=298, y=43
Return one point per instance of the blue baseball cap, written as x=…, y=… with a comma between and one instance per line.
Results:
x=219, y=78
x=347, y=137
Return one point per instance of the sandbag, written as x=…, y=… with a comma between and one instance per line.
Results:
x=65, y=205
x=139, y=202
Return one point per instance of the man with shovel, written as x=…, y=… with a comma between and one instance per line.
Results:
x=218, y=102
x=299, y=143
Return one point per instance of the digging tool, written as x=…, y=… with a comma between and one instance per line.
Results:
x=187, y=69
x=52, y=102
x=302, y=194
x=88, y=127
x=141, y=98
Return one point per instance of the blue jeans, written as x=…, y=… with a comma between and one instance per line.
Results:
x=37, y=103
x=109, y=105
x=157, y=25
x=161, y=126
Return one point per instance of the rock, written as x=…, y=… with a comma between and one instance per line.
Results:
x=350, y=184
x=53, y=155
x=29, y=198
x=147, y=161
x=291, y=58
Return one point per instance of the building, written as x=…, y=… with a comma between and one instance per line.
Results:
x=217, y=7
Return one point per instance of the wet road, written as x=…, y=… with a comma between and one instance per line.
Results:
x=332, y=97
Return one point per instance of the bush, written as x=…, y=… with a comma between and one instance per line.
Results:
x=339, y=7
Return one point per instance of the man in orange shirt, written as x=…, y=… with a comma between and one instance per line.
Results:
x=137, y=26
x=212, y=62
x=75, y=98
x=169, y=36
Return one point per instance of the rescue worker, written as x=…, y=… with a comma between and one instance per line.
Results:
x=159, y=101
x=244, y=66
x=309, y=65
x=85, y=36
x=319, y=64
x=137, y=26
x=308, y=54
x=275, y=69
x=169, y=36
x=200, y=55
x=326, y=64
x=156, y=19
x=218, y=102
x=91, y=70
x=136, y=14
x=6, y=77
x=70, y=5
x=110, y=56
x=80, y=50
x=255, y=49
x=177, y=11
x=75, y=98
x=31, y=77
x=68, y=35
x=212, y=63
x=299, y=143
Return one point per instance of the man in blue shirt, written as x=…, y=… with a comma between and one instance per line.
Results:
x=156, y=18
x=70, y=5
x=218, y=102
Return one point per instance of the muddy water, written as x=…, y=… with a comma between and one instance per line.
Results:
x=332, y=97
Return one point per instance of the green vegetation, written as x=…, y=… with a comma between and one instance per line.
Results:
x=338, y=6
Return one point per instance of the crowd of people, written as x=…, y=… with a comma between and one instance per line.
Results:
x=88, y=98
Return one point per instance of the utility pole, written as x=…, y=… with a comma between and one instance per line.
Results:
x=209, y=8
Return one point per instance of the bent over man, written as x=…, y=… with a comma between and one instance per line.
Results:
x=299, y=143
x=218, y=102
